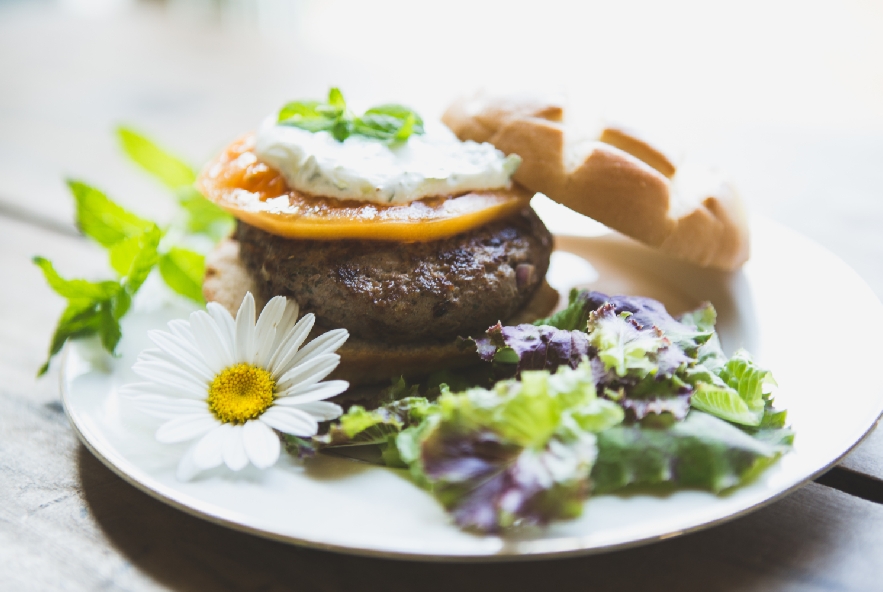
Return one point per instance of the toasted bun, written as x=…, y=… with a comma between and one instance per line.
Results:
x=618, y=179
x=361, y=362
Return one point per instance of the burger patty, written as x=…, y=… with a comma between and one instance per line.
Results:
x=400, y=293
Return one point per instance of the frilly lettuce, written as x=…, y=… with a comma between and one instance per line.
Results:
x=519, y=453
x=700, y=452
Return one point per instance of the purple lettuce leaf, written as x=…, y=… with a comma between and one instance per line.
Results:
x=533, y=348
x=489, y=484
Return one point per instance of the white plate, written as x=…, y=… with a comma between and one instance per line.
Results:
x=802, y=312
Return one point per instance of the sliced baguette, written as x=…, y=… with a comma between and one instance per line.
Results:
x=618, y=179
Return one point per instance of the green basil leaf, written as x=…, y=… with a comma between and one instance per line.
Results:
x=407, y=128
x=168, y=169
x=101, y=219
x=183, y=270
x=299, y=110
x=335, y=99
x=389, y=123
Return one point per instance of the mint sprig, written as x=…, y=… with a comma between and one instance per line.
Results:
x=200, y=215
x=133, y=247
x=387, y=123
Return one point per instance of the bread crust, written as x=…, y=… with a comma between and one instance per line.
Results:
x=361, y=362
x=618, y=179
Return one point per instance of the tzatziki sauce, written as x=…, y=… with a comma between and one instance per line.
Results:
x=435, y=163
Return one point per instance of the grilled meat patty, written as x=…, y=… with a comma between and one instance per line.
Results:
x=400, y=293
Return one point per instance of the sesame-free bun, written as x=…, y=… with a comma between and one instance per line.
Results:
x=616, y=178
x=361, y=362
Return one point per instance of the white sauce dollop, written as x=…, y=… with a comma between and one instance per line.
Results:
x=435, y=163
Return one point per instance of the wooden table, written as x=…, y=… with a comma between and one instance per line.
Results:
x=68, y=523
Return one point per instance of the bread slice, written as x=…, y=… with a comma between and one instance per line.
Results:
x=361, y=362
x=617, y=178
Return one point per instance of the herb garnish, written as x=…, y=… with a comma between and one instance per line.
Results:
x=135, y=246
x=388, y=123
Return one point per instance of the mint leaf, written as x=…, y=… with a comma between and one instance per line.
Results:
x=79, y=319
x=168, y=169
x=144, y=260
x=203, y=216
x=183, y=271
x=89, y=310
x=102, y=219
x=75, y=289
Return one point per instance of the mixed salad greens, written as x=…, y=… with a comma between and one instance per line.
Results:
x=611, y=392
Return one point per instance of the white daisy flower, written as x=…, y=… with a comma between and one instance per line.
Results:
x=227, y=384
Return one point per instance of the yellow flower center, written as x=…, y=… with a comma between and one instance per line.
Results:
x=240, y=393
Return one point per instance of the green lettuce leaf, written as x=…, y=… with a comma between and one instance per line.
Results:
x=736, y=390
x=700, y=452
x=621, y=343
x=361, y=426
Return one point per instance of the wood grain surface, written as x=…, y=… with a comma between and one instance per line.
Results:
x=68, y=523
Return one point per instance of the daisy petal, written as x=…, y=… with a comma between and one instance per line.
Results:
x=234, y=451
x=290, y=421
x=186, y=427
x=167, y=407
x=182, y=350
x=300, y=393
x=172, y=376
x=199, y=373
x=209, y=451
x=243, y=348
x=181, y=328
x=138, y=389
x=289, y=318
x=322, y=410
x=280, y=363
x=261, y=444
x=186, y=467
x=223, y=318
x=323, y=344
x=309, y=372
x=213, y=341
x=265, y=330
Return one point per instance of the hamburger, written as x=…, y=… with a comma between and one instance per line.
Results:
x=408, y=243
x=410, y=237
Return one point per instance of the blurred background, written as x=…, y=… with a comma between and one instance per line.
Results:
x=785, y=96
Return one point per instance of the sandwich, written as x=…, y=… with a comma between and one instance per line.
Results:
x=411, y=235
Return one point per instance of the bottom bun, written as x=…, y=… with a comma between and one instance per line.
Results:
x=361, y=362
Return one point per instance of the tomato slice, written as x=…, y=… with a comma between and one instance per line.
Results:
x=257, y=194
